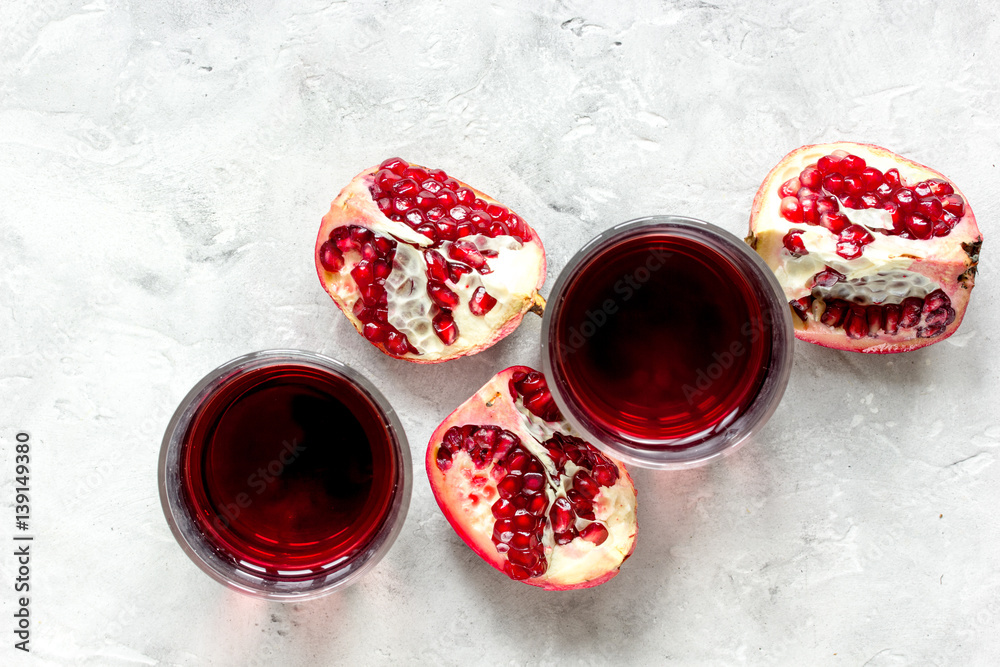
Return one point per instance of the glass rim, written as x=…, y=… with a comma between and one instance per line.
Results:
x=667, y=454
x=186, y=531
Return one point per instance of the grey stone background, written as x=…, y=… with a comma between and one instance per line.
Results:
x=163, y=169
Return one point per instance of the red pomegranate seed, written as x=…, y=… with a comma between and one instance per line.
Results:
x=467, y=252
x=871, y=178
x=898, y=223
x=827, y=204
x=833, y=183
x=801, y=306
x=793, y=242
x=834, y=314
x=857, y=234
x=465, y=196
x=827, y=278
x=397, y=343
x=330, y=256
x=441, y=295
x=808, y=208
x=893, y=179
x=940, y=188
x=853, y=202
x=481, y=302
x=930, y=208
x=906, y=199
x=934, y=300
x=852, y=164
x=954, y=204
x=849, y=249
x=856, y=324
x=892, y=313
x=876, y=320
x=884, y=190
x=561, y=515
x=437, y=268
x=595, y=533
x=919, y=226
x=910, y=312
x=870, y=200
x=827, y=164
x=444, y=327
x=456, y=270
x=447, y=199
x=374, y=332
x=835, y=222
x=395, y=165
x=790, y=188
x=811, y=177
x=853, y=184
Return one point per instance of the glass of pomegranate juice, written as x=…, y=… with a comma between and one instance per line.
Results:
x=285, y=475
x=667, y=341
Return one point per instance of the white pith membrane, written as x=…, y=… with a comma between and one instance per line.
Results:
x=512, y=279
x=471, y=494
x=890, y=268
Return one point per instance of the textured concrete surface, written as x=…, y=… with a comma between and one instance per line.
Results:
x=163, y=170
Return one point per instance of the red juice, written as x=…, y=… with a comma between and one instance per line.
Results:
x=288, y=468
x=661, y=337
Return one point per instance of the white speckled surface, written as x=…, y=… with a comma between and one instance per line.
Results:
x=163, y=170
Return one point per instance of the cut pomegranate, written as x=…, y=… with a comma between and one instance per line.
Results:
x=527, y=495
x=881, y=256
x=425, y=267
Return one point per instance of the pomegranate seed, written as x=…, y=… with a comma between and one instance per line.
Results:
x=381, y=269
x=447, y=199
x=856, y=324
x=827, y=164
x=934, y=300
x=827, y=204
x=395, y=165
x=497, y=212
x=930, y=208
x=478, y=205
x=441, y=295
x=456, y=270
x=940, y=188
x=385, y=179
x=436, y=266
x=561, y=515
x=893, y=179
x=854, y=184
x=790, y=188
x=467, y=252
x=835, y=222
x=374, y=332
x=791, y=209
x=595, y=533
x=793, y=242
x=942, y=316
x=808, y=208
x=954, y=204
x=906, y=199
x=892, y=313
x=426, y=200
x=876, y=320
x=444, y=327
x=429, y=230
x=884, y=190
x=827, y=278
x=811, y=177
x=919, y=226
x=405, y=187
x=330, y=257
x=801, y=306
x=898, y=224
x=465, y=196
x=853, y=202
x=834, y=314
x=586, y=485
x=911, y=311
x=402, y=204
x=871, y=178
x=852, y=164
x=481, y=302
x=833, y=183
x=849, y=249
x=922, y=189
x=870, y=200
x=396, y=343
x=857, y=234
x=447, y=230
x=606, y=475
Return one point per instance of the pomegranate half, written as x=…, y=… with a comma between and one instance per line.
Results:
x=531, y=498
x=426, y=267
x=876, y=253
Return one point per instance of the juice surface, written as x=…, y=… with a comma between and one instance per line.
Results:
x=288, y=468
x=660, y=337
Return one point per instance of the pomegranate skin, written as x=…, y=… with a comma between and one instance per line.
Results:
x=571, y=566
x=355, y=206
x=921, y=268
